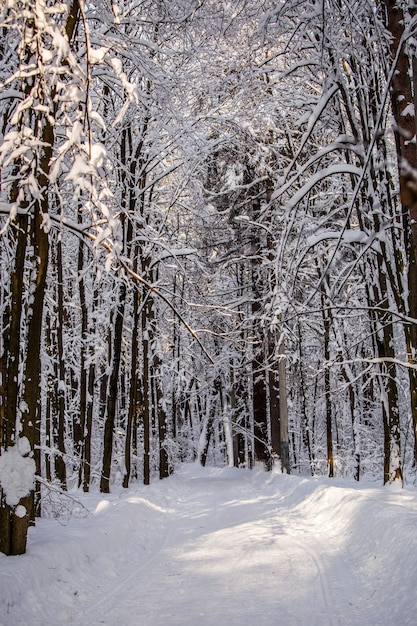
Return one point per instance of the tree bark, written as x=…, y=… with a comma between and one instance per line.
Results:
x=403, y=99
x=11, y=541
x=133, y=389
x=60, y=467
x=112, y=391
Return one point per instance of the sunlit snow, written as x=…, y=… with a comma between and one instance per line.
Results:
x=221, y=547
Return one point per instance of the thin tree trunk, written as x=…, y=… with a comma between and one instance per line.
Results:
x=112, y=391
x=206, y=434
x=260, y=417
x=305, y=426
x=354, y=419
x=146, y=402
x=327, y=387
x=238, y=402
x=274, y=403
x=327, y=395
x=133, y=389
x=164, y=469
x=48, y=406
x=60, y=467
x=283, y=409
x=80, y=422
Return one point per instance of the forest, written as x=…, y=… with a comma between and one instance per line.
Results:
x=208, y=221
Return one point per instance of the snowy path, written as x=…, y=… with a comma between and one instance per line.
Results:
x=227, y=547
x=222, y=563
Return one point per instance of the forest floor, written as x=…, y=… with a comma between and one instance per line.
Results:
x=221, y=547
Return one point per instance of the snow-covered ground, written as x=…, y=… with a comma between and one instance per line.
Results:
x=221, y=547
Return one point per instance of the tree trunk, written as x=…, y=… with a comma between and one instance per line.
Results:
x=274, y=402
x=327, y=395
x=260, y=417
x=146, y=394
x=283, y=409
x=403, y=107
x=80, y=421
x=11, y=541
x=13, y=528
x=89, y=427
x=112, y=391
x=30, y=417
x=164, y=469
x=326, y=365
x=238, y=402
x=60, y=467
x=133, y=389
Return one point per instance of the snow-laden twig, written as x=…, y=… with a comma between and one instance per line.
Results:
x=59, y=503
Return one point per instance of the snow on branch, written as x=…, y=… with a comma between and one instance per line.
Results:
x=343, y=168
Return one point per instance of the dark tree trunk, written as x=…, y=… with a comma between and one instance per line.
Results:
x=260, y=418
x=403, y=100
x=60, y=467
x=13, y=529
x=164, y=469
x=146, y=391
x=112, y=391
x=11, y=541
x=133, y=389
x=327, y=387
x=274, y=408
x=80, y=421
x=327, y=394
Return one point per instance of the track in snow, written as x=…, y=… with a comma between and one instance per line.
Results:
x=224, y=558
